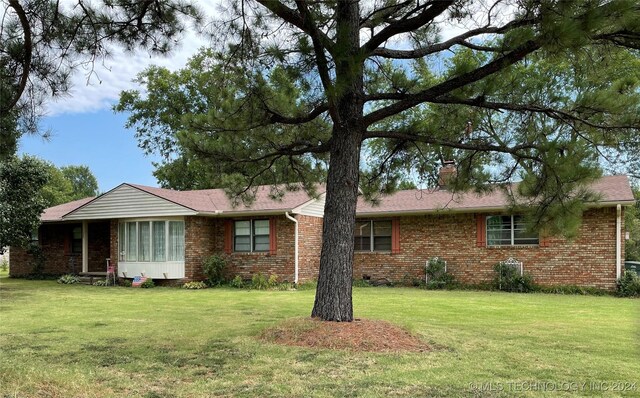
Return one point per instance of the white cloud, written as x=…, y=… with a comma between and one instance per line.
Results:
x=99, y=90
x=92, y=91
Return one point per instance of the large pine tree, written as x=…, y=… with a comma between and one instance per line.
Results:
x=542, y=91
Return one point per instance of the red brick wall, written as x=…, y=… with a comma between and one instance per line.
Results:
x=205, y=237
x=113, y=244
x=58, y=257
x=589, y=260
x=200, y=240
x=310, y=238
x=99, y=246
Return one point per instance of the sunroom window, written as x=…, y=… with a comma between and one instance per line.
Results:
x=151, y=241
x=509, y=231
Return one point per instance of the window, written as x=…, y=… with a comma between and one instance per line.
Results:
x=509, y=231
x=144, y=241
x=176, y=241
x=251, y=236
x=34, y=236
x=151, y=241
x=372, y=236
x=76, y=240
x=159, y=241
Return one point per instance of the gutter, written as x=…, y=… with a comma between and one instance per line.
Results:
x=295, y=247
x=618, y=241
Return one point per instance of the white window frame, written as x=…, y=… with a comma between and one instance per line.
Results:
x=122, y=243
x=251, y=236
x=512, y=230
x=372, y=236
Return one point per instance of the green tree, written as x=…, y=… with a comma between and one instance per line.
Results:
x=632, y=225
x=83, y=182
x=43, y=41
x=58, y=189
x=208, y=88
x=21, y=203
x=67, y=183
x=524, y=88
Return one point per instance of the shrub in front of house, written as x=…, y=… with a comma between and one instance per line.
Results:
x=309, y=285
x=361, y=283
x=195, y=285
x=629, y=285
x=125, y=282
x=273, y=281
x=572, y=289
x=259, y=282
x=148, y=284
x=68, y=279
x=508, y=279
x=214, y=269
x=237, y=282
x=437, y=276
x=100, y=282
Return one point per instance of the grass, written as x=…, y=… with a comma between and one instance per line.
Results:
x=75, y=340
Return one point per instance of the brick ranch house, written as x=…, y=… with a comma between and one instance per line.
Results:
x=166, y=234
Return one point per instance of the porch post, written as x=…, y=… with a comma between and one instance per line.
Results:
x=85, y=246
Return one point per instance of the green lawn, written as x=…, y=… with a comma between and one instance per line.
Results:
x=72, y=340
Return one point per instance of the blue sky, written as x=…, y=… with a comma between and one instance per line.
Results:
x=97, y=139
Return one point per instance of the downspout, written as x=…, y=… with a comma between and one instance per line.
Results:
x=618, y=242
x=295, y=248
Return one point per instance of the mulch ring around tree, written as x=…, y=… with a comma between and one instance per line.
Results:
x=360, y=335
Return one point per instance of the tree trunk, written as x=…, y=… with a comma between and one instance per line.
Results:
x=333, y=295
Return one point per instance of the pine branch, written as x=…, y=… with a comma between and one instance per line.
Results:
x=431, y=94
x=430, y=11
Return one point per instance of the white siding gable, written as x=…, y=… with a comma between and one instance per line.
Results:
x=126, y=202
x=313, y=208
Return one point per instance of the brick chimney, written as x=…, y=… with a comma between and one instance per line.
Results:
x=446, y=173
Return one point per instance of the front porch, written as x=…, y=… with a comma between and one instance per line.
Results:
x=67, y=248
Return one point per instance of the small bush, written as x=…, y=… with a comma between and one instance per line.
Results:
x=125, y=282
x=237, y=282
x=259, y=282
x=310, y=285
x=572, y=289
x=361, y=283
x=194, y=285
x=273, y=281
x=437, y=276
x=508, y=279
x=68, y=279
x=4, y=265
x=100, y=282
x=214, y=268
x=148, y=284
x=629, y=285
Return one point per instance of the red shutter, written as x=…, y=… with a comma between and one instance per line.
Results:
x=481, y=233
x=273, y=237
x=67, y=243
x=228, y=236
x=395, y=236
